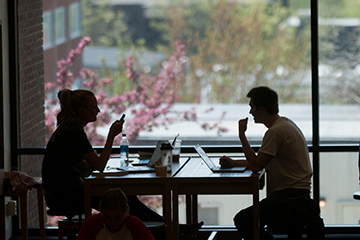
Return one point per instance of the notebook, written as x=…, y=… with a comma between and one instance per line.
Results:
x=213, y=167
x=110, y=171
x=136, y=169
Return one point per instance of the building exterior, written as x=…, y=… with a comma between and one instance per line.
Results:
x=62, y=32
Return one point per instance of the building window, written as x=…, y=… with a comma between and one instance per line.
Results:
x=47, y=30
x=60, y=25
x=75, y=20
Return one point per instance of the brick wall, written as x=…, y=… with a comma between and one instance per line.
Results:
x=31, y=68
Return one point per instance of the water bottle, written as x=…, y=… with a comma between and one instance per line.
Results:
x=124, y=148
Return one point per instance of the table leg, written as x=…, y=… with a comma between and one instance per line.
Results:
x=175, y=225
x=41, y=210
x=24, y=214
x=194, y=208
x=2, y=218
x=87, y=199
x=167, y=211
x=256, y=221
x=189, y=211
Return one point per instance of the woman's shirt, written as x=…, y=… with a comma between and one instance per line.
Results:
x=64, y=150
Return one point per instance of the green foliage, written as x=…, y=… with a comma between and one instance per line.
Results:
x=239, y=46
x=302, y=4
x=104, y=25
x=231, y=46
x=339, y=8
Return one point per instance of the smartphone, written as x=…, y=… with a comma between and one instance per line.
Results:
x=122, y=117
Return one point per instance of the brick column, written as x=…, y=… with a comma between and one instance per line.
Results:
x=31, y=69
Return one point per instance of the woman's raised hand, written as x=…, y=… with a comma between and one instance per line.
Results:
x=116, y=128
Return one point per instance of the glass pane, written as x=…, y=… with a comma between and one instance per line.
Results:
x=47, y=36
x=75, y=20
x=196, y=86
x=60, y=25
x=339, y=179
x=338, y=70
x=31, y=164
x=185, y=68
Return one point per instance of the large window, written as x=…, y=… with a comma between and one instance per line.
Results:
x=186, y=66
x=339, y=108
x=339, y=65
x=205, y=82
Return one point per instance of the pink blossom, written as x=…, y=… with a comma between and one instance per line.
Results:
x=150, y=102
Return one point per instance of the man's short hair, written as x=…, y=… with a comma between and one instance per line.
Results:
x=265, y=97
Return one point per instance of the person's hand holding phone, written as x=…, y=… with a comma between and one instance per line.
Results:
x=117, y=126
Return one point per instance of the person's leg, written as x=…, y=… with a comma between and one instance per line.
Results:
x=269, y=209
x=289, y=210
x=244, y=220
x=72, y=200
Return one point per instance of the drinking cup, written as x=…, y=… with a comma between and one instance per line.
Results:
x=176, y=150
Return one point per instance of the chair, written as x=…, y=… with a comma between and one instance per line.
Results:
x=67, y=223
x=303, y=218
x=23, y=195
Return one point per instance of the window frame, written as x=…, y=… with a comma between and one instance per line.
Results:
x=315, y=147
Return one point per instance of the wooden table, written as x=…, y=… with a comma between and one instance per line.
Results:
x=132, y=184
x=196, y=178
x=135, y=184
x=192, y=179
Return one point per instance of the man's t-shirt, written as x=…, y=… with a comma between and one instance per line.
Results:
x=290, y=167
x=64, y=150
x=131, y=229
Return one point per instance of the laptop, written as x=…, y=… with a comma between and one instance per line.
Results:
x=213, y=167
x=154, y=157
x=134, y=168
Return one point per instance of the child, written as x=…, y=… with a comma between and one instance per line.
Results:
x=114, y=221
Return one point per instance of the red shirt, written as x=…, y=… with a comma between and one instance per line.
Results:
x=131, y=229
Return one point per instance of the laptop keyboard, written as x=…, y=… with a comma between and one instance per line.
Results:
x=142, y=162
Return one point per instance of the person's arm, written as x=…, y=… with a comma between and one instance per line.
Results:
x=84, y=168
x=227, y=162
x=98, y=162
x=256, y=162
